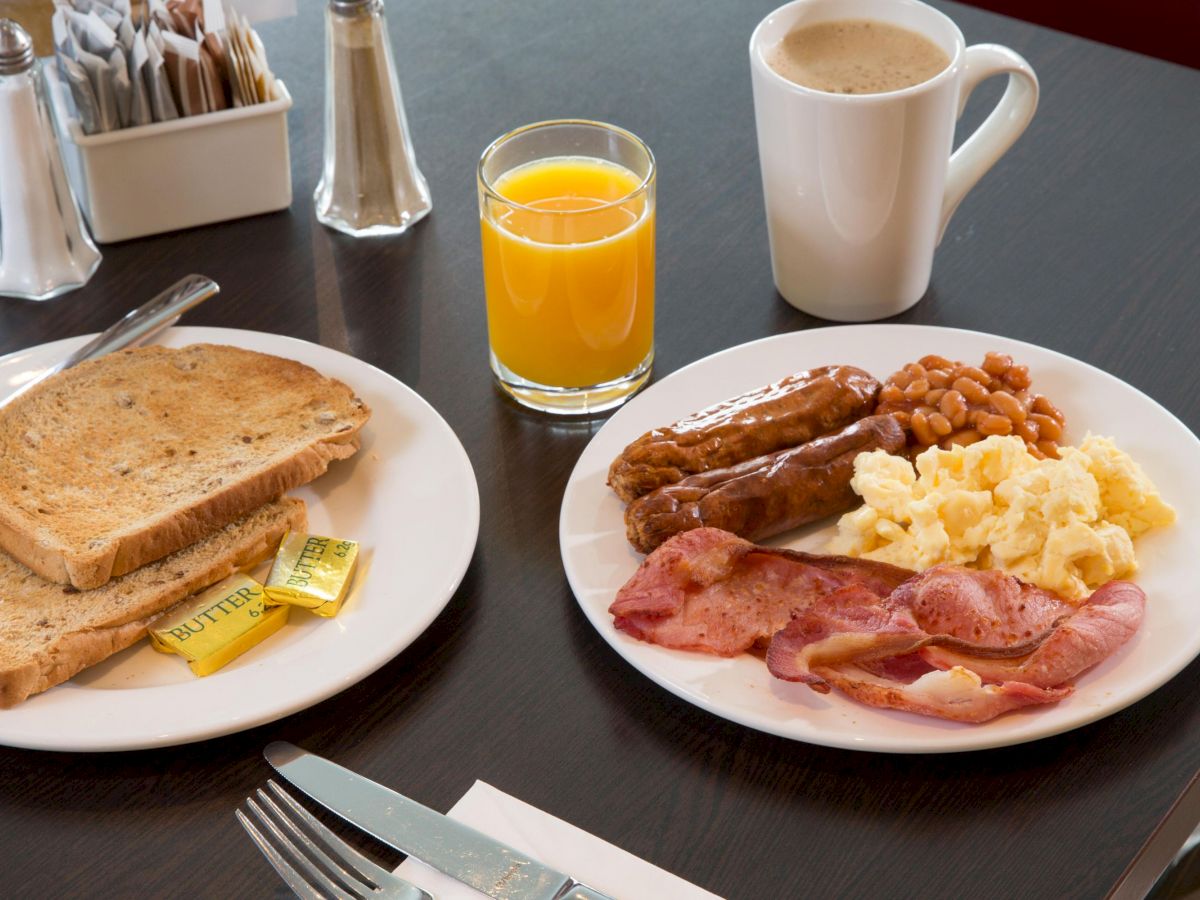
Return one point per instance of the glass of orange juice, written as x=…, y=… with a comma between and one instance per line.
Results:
x=566, y=213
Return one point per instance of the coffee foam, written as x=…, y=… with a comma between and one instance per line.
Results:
x=856, y=56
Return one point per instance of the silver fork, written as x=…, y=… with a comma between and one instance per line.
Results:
x=314, y=861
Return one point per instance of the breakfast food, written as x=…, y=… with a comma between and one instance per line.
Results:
x=883, y=650
x=983, y=572
x=1066, y=525
x=49, y=632
x=780, y=415
x=711, y=591
x=767, y=495
x=946, y=403
x=950, y=642
x=120, y=461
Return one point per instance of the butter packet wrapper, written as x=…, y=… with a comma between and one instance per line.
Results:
x=312, y=571
x=218, y=624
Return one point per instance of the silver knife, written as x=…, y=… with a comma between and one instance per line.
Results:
x=467, y=855
x=137, y=326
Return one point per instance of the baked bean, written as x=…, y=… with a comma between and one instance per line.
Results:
x=938, y=378
x=1007, y=405
x=1044, y=407
x=1048, y=429
x=901, y=379
x=1018, y=377
x=952, y=403
x=917, y=389
x=934, y=397
x=916, y=370
x=891, y=393
x=921, y=429
x=974, y=415
x=977, y=375
x=940, y=424
x=965, y=437
x=990, y=423
x=1028, y=430
x=1049, y=448
x=973, y=391
x=1035, y=452
x=902, y=417
x=933, y=361
x=997, y=363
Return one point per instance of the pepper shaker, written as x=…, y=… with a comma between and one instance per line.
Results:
x=370, y=184
x=45, y=250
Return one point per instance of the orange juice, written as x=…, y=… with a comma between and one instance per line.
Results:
x=568, y=268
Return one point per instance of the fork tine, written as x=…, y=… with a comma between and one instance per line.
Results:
x=314, y=876
x=294, y=879
x=361, y=866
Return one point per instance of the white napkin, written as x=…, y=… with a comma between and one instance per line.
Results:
x=552, y=841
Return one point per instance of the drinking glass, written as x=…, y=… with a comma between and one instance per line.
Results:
x=566, y=213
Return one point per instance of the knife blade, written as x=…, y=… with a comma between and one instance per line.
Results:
x=489, y=866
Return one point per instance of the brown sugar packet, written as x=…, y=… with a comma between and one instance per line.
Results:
x=182, y=57
x=212, y=70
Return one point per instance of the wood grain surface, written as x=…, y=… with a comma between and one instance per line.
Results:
x=1083, y=239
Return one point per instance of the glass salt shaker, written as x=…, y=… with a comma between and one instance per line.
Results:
x=370, y=184
x=45, y=250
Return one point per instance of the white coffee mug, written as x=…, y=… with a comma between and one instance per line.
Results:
x=859, y=187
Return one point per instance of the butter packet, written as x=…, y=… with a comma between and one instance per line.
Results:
x=218, y=624
x=312, y=571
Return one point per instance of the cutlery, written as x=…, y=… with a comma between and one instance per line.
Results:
x=136, y=326
x=311, y=868
x=467, y=855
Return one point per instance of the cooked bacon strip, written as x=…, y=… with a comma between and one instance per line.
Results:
x=711, y=591
x=844, y=641
x=852, y=623
x=957, y=694
x=987, y=608
x=1108, y=619
x=854, y=626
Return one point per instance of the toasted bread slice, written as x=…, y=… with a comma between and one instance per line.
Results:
x=49, y=632
x=117, y=462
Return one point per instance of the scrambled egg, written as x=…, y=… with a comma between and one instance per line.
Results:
x=1066, y=524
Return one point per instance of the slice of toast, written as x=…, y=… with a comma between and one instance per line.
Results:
x=119, y=461
x=49, y=632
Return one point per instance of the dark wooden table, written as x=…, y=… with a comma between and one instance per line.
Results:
x=1084, y=239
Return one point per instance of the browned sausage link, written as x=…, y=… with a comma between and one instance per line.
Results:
x=764, y=496
x=780, y=415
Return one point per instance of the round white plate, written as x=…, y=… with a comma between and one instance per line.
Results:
x=408, y=497
x=598, y=560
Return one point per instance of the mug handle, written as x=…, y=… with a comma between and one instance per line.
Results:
x=999, y=130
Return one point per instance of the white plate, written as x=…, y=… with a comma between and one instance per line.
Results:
x=598, y=560
x=408, y=496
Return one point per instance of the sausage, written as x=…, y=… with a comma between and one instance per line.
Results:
x=767, y=495
x=784, y=414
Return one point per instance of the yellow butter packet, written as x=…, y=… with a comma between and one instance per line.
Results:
x=312, y=571
x=218, y=624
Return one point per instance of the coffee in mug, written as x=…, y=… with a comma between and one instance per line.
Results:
x=858, y=176
x=856, y=56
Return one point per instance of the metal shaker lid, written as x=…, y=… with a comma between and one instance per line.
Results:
x=16, y=48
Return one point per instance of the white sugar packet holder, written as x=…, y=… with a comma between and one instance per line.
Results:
x=555, y=843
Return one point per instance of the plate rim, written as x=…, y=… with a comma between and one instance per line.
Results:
x=289, y=704
x=601, y=620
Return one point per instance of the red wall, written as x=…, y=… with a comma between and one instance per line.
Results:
x=1168, y=29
